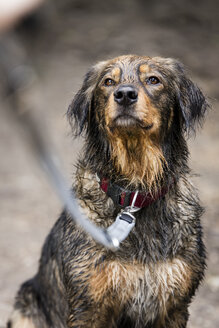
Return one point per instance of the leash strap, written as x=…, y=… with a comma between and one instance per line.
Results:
x=20, y=83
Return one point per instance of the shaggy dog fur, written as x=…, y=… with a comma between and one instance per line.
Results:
x=135, y=114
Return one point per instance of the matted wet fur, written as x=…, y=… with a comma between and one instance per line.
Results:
x=136, y=114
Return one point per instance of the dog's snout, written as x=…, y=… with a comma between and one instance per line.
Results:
x=126, y=95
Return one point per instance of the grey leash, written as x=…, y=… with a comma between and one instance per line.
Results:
x=20, y=80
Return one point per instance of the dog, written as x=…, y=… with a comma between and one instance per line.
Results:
x=136, y=114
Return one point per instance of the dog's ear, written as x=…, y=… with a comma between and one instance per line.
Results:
x=79, y=110
x=191, y=102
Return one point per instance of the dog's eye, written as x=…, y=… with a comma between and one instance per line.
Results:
x=152, y=80
x=109, y=82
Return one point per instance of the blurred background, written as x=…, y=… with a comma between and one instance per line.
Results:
x=61, y=39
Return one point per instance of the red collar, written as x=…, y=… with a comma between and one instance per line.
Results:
x=124, y=197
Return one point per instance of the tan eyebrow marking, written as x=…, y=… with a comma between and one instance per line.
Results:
x=144, y=68
x=116, y=73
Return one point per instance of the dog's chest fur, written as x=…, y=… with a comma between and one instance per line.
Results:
x=126, y=281
x=145, y=290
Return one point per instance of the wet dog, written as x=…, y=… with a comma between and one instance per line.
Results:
x=136, y=114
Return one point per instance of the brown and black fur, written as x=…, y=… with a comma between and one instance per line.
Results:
x=150, y=280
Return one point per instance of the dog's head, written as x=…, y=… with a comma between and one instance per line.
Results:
x=135, y=103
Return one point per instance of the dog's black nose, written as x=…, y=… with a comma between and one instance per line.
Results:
x=126, y=95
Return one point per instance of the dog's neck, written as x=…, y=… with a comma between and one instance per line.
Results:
x=124, y=197
x=93, y=184
x=137, y=157
x=142, y=164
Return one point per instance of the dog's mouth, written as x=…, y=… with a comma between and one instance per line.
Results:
x=126, y=120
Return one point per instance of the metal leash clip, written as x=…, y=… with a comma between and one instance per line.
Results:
x=124, y=223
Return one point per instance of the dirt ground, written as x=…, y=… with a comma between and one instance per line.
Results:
x=72, y=36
